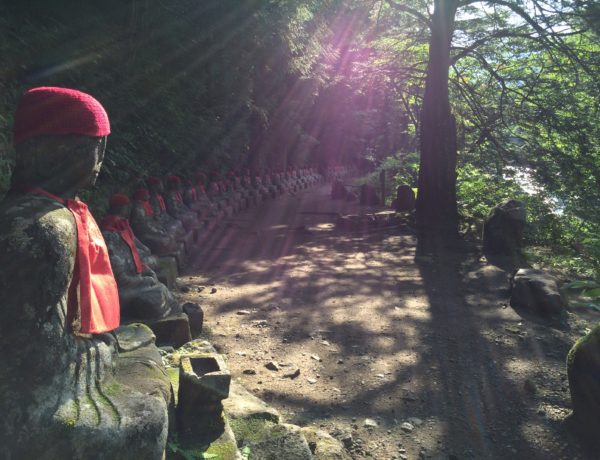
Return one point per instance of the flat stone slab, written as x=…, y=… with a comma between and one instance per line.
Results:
x=242, y=404
x=134, y=336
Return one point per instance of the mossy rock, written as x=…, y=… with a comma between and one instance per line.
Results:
x=324, y=446
x=253, y=430
x=583, y=369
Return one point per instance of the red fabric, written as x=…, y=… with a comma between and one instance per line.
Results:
x=118, y=200
x=120, y=225
x=141, y=195
x=59, y=111
x=194, y=194
x=153, y=180
x=93, y=287
x=148, y=208
x=161, y=202
x=178, y=196
x=174, y=180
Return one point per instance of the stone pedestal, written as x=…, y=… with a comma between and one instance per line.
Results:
x=195, y=316
x=173, y=330
x=204, y=382
x=167, y=271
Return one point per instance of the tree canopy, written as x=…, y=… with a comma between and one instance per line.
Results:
x=470, y=101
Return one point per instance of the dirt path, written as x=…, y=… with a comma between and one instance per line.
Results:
x=427, y=349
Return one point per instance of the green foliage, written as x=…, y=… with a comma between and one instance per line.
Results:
x=587, y=289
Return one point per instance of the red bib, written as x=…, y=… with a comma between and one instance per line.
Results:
x=161, y=202
x=93, y=287
x=112, y=223
x=148, y=208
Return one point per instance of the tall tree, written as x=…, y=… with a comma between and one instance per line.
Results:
x=459, y=29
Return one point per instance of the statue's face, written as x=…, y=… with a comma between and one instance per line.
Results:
x=123, y=211
x=60, y=164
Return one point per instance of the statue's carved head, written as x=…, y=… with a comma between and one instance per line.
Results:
x=60, y=138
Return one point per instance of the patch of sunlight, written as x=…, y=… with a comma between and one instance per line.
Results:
x=323, y=226
x=416, y=307
x=407, y=358
x=519, y=365
x=533, y=432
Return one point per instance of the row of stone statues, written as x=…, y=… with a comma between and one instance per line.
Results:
x=76, y=383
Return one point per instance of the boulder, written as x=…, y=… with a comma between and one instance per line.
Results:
x=323, y=445
x=536, y=292
x=279, y=442
x=503, y=229
x=583, y=370
x=405, y=199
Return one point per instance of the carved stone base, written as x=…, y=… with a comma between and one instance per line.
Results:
x=167, y=271
x=174, y=330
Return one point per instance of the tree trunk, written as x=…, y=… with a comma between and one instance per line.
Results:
x=436, y=200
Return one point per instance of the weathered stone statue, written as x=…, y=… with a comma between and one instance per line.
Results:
x=63, y=393
x=194, y=197
x=368, y=195
x=172, y=225
x=338, y=191
x=176, y=208
x=142, y=296
x=149, y=230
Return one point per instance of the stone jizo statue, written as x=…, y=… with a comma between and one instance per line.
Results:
x=142, y=296
x=62, y=395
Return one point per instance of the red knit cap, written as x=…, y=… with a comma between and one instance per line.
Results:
x=118, y=201
x=153, y=180
x=59, y=111
x=174, y=180
x=141, y=195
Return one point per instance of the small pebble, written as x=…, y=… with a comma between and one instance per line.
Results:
x=408, y=427
x=370, y=423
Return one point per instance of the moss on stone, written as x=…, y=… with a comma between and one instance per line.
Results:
x=224, y=449
x=173, y=374
x=251, y=430
x=592, y=338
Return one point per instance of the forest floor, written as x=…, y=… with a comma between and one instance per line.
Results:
x=400, y=357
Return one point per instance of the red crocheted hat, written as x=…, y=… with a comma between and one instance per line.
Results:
x=118, y=200
x=51, y=110
x=153, y=180
x=141, y=195
x=174, y=180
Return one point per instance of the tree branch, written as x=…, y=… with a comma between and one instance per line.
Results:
x=412, y=11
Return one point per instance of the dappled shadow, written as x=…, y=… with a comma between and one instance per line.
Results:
x=395, y=339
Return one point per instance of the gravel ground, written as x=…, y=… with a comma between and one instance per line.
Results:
x=399, y=357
